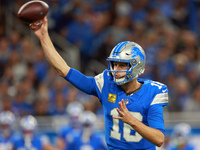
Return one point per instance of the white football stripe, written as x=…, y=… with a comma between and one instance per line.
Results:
x=160, y=99
x=99, y=81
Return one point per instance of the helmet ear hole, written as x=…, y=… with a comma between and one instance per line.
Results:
x=132, y=63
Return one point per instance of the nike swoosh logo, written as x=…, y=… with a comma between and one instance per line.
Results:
x=164, y=90
x=128, y=54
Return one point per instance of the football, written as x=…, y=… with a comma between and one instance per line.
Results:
x=33, y=11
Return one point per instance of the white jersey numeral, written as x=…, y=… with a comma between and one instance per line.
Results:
x=126, y=128
x=158, y=84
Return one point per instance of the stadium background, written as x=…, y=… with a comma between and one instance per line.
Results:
x=84, y=32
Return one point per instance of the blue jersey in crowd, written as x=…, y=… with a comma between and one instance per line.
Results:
x=146, y=105
x=36, y=143
x=7, y=143
x=187, y=146
x=68, y=134
x=95, y=142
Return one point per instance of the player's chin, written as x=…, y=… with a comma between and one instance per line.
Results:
x=118, y=77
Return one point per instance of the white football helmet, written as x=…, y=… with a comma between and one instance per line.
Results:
x=180, y=133
x=130, y=53
x=7, y=117
x=88, y=118
x=28, y=123
x=74, y=110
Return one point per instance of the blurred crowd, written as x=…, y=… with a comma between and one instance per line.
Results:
x=168, y=30
x=79, y=134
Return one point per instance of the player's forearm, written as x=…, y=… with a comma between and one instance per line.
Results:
x=53, y=56
x=152, y=135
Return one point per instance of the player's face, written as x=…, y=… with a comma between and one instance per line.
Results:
x=6, y=131
x=119, y=66
x=28, y=134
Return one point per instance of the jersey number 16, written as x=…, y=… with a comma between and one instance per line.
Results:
x=126, y=128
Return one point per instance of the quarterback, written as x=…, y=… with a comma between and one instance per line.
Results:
x=133, y=107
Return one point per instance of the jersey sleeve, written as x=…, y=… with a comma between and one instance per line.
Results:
x=155, y=111
x=99, y=80
x=161, y=96
x=82, y=82
x=155, y=117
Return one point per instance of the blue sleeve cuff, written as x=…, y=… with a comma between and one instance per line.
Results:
x=69, y=74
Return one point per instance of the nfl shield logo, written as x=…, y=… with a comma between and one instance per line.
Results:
x=126, y=101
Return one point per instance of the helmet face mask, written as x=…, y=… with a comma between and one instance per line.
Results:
x=127, y=72
x=130, y=53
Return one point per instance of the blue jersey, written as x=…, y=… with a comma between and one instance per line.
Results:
x=68, y=134
x=187, y=146
x=37, y=143
x=146, y=105
x=7, y=143
x=95, y=142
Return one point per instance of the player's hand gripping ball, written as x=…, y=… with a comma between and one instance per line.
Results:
x=33, y=11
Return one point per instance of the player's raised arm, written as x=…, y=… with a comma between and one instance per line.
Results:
x=40, y=29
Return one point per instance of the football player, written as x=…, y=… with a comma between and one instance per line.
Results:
x=88, y=139
x=7, y=137
x=29, y=140
x=180, y=138
x=67, y=133
x=133, y=107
